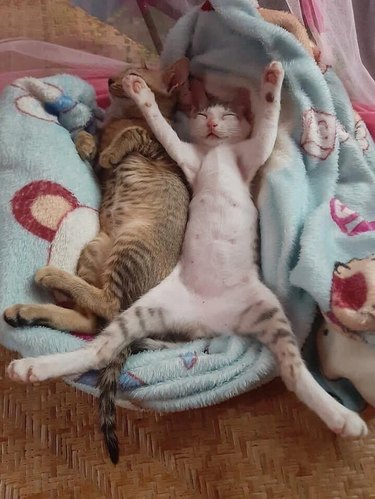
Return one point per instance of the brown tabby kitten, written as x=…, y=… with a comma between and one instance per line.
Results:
x=143, y=215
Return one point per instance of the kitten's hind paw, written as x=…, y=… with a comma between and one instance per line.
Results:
x=28, y=370
x=21, y=316
x=348, y=424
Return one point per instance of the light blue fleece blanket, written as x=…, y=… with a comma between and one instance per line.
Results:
x=317, y=198
x=329, y=157
x=48, y=204
x=48, y=196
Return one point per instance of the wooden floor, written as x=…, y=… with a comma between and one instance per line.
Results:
x=261, y=445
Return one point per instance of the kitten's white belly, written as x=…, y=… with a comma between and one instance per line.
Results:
x=218, y=247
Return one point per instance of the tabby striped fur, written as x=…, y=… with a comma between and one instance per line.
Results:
x=143, y=215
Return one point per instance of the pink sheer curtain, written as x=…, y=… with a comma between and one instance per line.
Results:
x=332, y=25
x=20, y=57
x=331, y=22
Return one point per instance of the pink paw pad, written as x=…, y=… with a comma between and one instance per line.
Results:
x=272, y=73
x=271, y=76
x=137, y=86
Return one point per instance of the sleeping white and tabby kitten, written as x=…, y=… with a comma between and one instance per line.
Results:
x=215, y=287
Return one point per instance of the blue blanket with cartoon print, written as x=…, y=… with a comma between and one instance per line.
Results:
x=315, y=207
x=48, y=211
x=316, y=200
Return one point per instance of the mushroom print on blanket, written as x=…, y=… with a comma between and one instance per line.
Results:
x=215, y=287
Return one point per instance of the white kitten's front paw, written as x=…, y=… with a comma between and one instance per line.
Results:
x=29, y=370
x=272, y=81
x=136, y=88
x=274, y=73
x=348, y=424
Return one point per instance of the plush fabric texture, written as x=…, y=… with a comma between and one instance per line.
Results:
x=326, y=158
x=49, y=211
x=49, y=197
x=316, y=199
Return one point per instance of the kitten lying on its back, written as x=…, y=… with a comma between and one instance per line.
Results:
x=215, y=287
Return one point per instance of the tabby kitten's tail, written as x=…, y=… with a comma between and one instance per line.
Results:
x=107, y=385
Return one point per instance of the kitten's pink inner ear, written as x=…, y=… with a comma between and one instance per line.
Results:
x=242, y=104
x=199, y=97
x=177, y=74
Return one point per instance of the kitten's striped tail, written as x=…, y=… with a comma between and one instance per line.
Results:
x=107, y=385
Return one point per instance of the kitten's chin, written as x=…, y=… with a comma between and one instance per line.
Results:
x=211, y=141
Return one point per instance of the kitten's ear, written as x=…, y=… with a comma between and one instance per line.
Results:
x=199, y=99
x=177, y=74
x=241, y=103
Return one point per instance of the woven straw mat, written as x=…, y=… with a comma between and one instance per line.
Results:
x=56, y=21
x=262, y=445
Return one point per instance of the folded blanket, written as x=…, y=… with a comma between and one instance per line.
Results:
x=316, y=199
x=48, y=204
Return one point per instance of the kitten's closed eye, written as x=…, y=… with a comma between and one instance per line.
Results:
x=227, y=115
x=203, y=115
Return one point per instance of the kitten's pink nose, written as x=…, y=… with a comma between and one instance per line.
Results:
x=211, y=124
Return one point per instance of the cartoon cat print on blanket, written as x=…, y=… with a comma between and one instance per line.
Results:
x=320, y=130
x=361, y=134
x=353, y=295
x=319, y=133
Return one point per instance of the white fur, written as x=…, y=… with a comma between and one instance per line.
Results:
x=218, y=125
x=215, y=287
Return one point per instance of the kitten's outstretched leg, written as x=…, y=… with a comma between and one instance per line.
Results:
x=185, y=155
x=262, y=141
x=164, y=307
x=267, y=321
